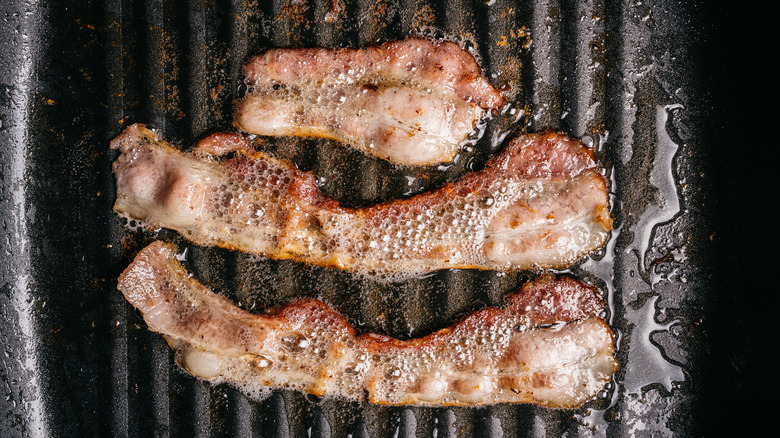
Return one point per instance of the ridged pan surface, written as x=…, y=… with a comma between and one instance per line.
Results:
x=78, y=360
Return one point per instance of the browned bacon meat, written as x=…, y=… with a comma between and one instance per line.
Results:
x=540, y=203
x=548, y=345
x=411, y=102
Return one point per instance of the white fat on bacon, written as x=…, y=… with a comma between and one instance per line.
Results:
x=540, y=203
x=549, y=345
x=411, y=102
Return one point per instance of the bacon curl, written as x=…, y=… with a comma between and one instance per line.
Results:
x=549, y=345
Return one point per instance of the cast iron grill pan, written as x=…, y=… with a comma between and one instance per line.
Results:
x=79, y=360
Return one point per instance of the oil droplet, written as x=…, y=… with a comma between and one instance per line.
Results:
x=393, y=372
x=353, y=369
x=258, y=361
x=295, y=342
x=487, y=201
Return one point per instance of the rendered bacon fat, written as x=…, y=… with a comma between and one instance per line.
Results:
x=547, y=346
x=411, y=102
x=540, y=203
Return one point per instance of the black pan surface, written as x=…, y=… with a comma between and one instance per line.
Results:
x=651, y=84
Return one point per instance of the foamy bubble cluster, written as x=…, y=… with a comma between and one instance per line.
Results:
x=404, y=124
x=493, y=219
x=411, y=102
x=492, y=356
x=266, y=209
x=490, y=363
x=294, y=356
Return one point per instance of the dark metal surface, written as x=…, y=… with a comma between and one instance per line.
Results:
x=636, y=79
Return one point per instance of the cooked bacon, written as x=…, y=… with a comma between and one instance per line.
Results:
x=411, y=102
x=548, y=345
x=541, y=203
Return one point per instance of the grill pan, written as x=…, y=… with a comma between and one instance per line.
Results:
x=634, y=79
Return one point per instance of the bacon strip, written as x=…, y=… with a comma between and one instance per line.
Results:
x=411, y=102
x=547, y=346
x=540, y=203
